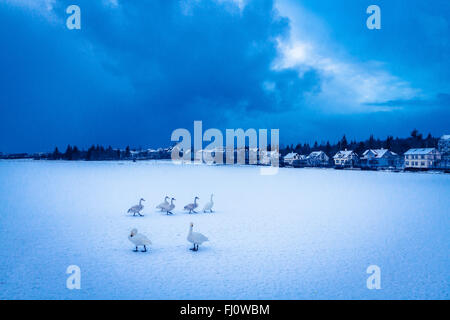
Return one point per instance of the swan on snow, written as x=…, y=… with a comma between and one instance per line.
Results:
x=138, y=239
x=208, y=206
x=191, y=206
x=163, y=204
x=137, y=208
x=195, y=238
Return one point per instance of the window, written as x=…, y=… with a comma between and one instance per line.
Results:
x=407, y=163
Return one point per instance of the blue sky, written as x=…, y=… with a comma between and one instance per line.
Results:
x=137, y=70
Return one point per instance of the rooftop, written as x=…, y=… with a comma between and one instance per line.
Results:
x=420, y=151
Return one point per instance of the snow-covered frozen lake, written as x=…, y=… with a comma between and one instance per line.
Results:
x=300, y=234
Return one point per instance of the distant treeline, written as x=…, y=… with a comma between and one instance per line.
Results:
x=397, y=145
x=95, y=153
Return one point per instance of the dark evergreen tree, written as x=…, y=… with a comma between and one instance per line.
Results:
x=68, y=153
x=344, y=143
x=56, y=154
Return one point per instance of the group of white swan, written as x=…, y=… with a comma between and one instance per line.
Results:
x=168, y=207
x=196, y=238
x=140, y=240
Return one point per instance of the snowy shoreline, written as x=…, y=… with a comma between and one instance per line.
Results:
x=165, y=161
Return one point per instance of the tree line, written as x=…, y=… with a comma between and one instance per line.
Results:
x=397, y=145
x=93, y=153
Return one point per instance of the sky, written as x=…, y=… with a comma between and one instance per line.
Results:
x=138, y=70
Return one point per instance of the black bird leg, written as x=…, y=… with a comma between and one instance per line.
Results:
x=145, y=249
x=136, y=250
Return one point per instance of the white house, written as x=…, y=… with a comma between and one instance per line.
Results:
x=318, y=159
x=290, y=158
x=269, y=157
x=378, y=158
x=425, y=158
x=346, y=158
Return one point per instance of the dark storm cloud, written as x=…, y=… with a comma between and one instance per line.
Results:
x=142, y=69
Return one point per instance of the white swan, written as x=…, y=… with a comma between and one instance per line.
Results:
x=163, y=204
x=169, y=207
x=138, y=239
x=137, y=208
x=195, y=238
x=191, y=206
x=208, y=206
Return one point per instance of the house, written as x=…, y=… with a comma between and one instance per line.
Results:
x=269, y=158
x=422, y=159
x=378, y=158
x=290, y=158
x=346, y=158
x=295, y=160
x=215, y=155
x=318, y=159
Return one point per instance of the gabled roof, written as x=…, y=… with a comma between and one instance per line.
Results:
x=291, y=155
x=344, y=154
x=379, y=153
x=315, y=153
x=420, y=151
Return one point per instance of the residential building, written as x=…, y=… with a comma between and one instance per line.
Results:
x=290, y=158
x=346, y=158
x=318, y=159
x=378, y=158
x=422, y=159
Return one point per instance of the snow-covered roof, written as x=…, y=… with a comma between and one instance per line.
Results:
x=445, y=137
x=291, y=155
x=315, y=154
x=344, y=154
x=379, y=153
x=420, y=151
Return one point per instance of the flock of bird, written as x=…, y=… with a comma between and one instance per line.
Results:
x=196, y=238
